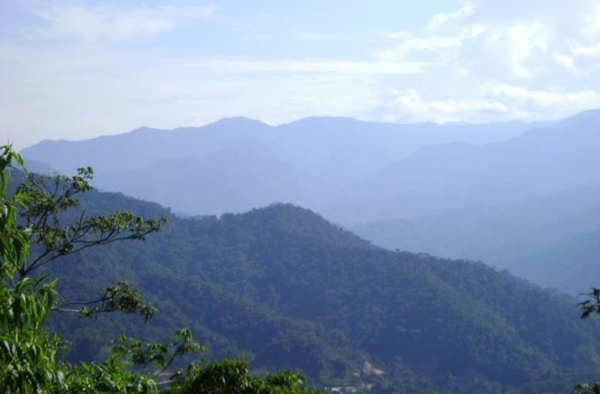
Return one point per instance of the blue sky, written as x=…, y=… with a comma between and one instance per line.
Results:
x=79, y=69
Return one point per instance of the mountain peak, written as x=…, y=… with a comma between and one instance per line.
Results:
x=143, y=129
x=285, y=218
x=238, y=121
x=589, y=115
x=323, y=121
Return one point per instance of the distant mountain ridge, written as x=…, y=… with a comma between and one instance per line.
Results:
x=442, y=178
x=516, y=236
x=140, y=147
x=326, y=154
x=456, y=190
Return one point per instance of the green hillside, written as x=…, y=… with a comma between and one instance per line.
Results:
x=286, y=289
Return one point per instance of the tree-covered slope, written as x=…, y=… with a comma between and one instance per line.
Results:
x=289, y=289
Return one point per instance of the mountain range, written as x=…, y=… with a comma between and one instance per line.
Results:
x=248, y=164
x=502, y=193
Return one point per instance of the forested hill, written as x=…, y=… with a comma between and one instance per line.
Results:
x=287, y=289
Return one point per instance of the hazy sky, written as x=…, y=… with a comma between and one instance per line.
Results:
x=78, y=69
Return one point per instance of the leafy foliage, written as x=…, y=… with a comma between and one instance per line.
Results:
x=28, y=356
x=233, y=377
x=48, y=198
x=120, y=297
x=591, y=305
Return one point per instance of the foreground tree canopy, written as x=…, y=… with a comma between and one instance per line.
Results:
x=34, y=234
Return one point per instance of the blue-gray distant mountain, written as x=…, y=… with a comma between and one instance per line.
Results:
x=38, y=168
x=237, y=164
x=509, y=204
x=524, y=237
x=443, y=178
x=571, y=265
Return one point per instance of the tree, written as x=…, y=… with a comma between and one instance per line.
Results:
x=589, y=307
x=233, y=376
x=33, y=234
x=44, y=202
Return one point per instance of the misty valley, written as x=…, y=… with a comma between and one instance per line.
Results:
x=367, y=257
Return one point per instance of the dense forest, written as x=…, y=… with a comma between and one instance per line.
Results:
x=284, y=289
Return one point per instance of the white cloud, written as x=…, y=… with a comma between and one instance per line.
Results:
x=564, y=60
x=422, y=48
x=586, y=50
x=592, y=20
x=533, y=104
x=410, y=106
x=500, y=60
x=396, y=35
x=110, y=22
x=439, y=20
x=524, y=41
x=547, y=97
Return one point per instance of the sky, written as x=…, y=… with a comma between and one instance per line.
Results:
x=79, y=69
